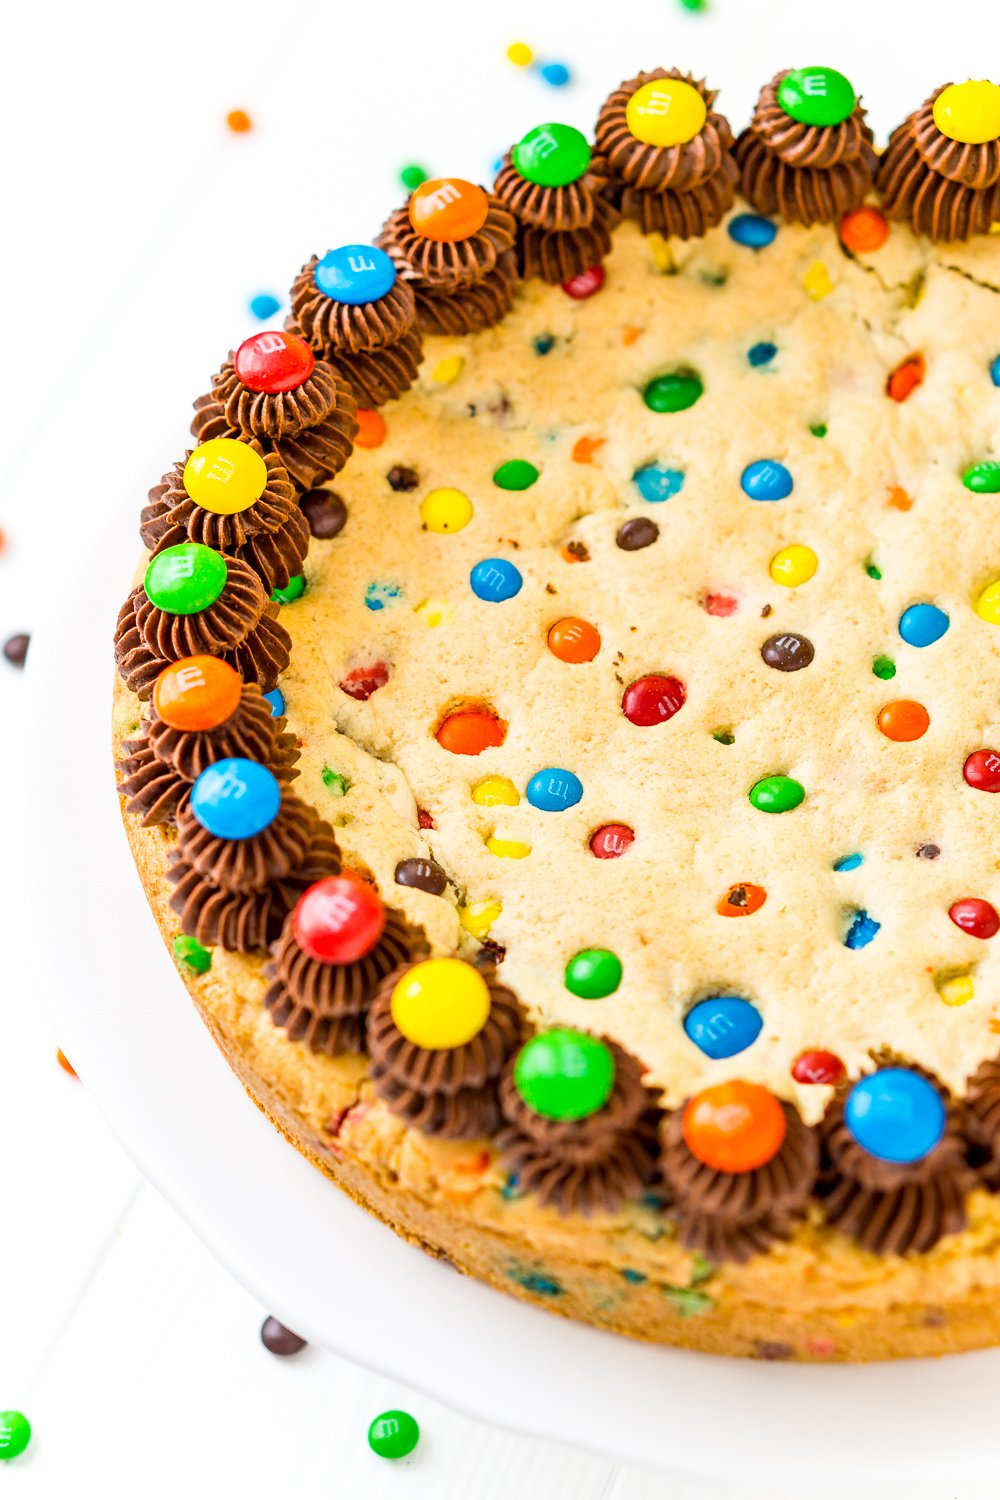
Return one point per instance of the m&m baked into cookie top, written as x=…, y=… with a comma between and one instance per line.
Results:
x=558, y=718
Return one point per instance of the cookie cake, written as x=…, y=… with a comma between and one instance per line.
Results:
x=558, y=719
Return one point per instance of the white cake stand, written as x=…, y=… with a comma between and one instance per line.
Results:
x=336, y=1275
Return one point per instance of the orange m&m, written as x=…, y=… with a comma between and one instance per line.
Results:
x=734, y=1127
x=863, y=230
x=470, y=731
x=197, y=692
x=371, y=428
x=742, y=900
x=574, y=640
x=904, y=720
x=448, y=208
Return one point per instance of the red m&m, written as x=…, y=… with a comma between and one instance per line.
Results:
x=982, y=770
x=585, y=285
x=274, y=361
x=197, y=692
x=448, y=209
x=975, y=916
x=611, y=840
x=653, y=700
x=818, y=1067
x=338, y=920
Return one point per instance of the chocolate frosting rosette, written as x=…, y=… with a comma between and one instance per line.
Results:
x=807, y=154
x=334, y=951
x=193, y=601
x=246, y=849
x=581, y=1129
x=439, y=1034
x=739, y=1165
x=453, y=243
x=895, y=1172
x=297, y=407
x=941, y=168
x=201, y=712
x=982, y=1102
x=233, y=496
x=353, y=309
x=668, y=153
x=552, y=187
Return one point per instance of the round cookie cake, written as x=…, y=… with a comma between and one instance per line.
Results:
x=558, y=725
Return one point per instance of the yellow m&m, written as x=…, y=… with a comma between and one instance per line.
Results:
x=445, y=510
x=440, y=1003
x=665, y=112
x=793, y=565
x=969, y=112
x=478, y=917
x=988, y=603
x=225, y=476
x=508, y=848
x=496, y=791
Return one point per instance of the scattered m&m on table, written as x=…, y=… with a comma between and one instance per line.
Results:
x=338, y=920
x=236, y=798
x=15, y=1434
x=393, y=1434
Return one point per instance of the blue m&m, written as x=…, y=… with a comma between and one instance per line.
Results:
x=752, y=230
x=355, y=274
x=723, y=1025
x=995, y=371
x=236, y=798
x=657, y=482
x=276, y=699
x=554, y=789
x=766, y=480
x=895, y=1114
x=495, y=579
x=923, y=624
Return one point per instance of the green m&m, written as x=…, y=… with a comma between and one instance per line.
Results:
x=185, y=579
x=776, y=794
x=674, y=392
x=817, y=96
x=593, y=973
x=983, y=478
x=552, y=155
x=15, y=1434
x=515, y=474
x=393, y=1434
x=564, y=1074
x=294, y=589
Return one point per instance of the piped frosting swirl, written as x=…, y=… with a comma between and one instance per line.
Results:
x=332, y=328
x=947, y=189
x=448, y=263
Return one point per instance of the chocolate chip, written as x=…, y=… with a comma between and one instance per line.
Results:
x=279, y=1339
x=787, y=653
x=402, y=478
x=767, y=610
x=15, y=648
x=640, y=532
x=928, y=851
x=325, y=512
x=423, y=875
x=578, y=551
x=766, y=1349
x=490, y=954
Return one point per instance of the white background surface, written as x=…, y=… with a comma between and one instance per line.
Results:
x=135, y=228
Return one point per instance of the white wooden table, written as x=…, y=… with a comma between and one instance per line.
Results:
x=136, y=230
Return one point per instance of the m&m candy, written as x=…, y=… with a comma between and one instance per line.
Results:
x=776, y=794
x=657, y=482
x=995, y=371
x=440, y=1003
x=752, y=230
x=788, y=652
x=742, y=900
x=895, y=1114
x=274, y=361
x=236, y=798
x=863, y=230
x=554, y=789
x=673, y=392
x=759, y=355
x=371, y=431
x=495, y=580
x=904, y=720
x=734, y=1127
x=276, y=701
x=988, y=603
x=15, y=1434
x=508, y=848
x=470, y=731
x=564, y=1074
x=593, y=973
x=556, y=74
x=586, y=284
x=445, y=510
x=723, y=1025
x=393, y=1434
x=447, y=209
x=611, y=840
x=355, y=274
x=665, y=112
x=653, y=700
x=496, y=791
x=982, y=770
x=338, y=920
x=573, y=640
x=818, y=1067
x=793, y=565
x=861, y=930
x=969, y=112
x=197, y=692
x=634, y=535
x=185, y=579
x=552, y=155
x=816, y=96
x=225, y=476
x=975, y=916
x=766, y=479
x=515, y=474
x=296, y=587
x=923, y=624
x=983, y=478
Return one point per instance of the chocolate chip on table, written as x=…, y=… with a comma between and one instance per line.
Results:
x=279, y=1339
x=422, y=875
x=787, y=653
x=633, y=535
x=402, y=478
x=325, y=512
x=15, y=648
